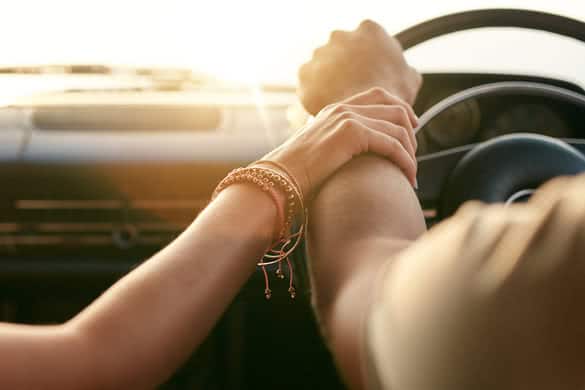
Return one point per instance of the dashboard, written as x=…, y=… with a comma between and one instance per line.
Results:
x=478, y=120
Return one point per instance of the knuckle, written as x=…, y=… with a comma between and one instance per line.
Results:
x=368, y=25
x=394, y=145
x=319, y=52
x=378, y=92
x=348, y=126
x=339, y=108
x=402, y=134
x=396, y=150
x=402, y=114
x=345, y=115
x=330, y=108
x=338, y=36
x=401, y=110
x=304, y=71
x=310, y=102
x=311, y=99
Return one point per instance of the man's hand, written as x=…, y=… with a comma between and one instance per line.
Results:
x=353, y=61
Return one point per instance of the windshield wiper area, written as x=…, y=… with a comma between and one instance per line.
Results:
x=162, y=78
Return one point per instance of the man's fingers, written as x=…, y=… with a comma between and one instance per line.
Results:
x=389, y=147
x=339, y=36
x=369, y=26
x=394, y=114
x=379, y=95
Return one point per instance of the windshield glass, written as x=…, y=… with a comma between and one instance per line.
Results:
x=263, y=41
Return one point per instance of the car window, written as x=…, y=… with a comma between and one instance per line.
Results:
x=246, y=41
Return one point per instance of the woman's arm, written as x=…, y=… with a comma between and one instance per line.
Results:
x=140, y=330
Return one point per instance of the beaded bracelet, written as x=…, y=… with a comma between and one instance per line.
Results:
x=273, y=181
x=284, y=169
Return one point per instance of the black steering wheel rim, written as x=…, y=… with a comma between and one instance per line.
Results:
x=468, y=20
x=498, y=17
x=501, y=89
x=504, y=148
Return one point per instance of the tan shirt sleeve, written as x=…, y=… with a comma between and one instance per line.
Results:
x=493, y=298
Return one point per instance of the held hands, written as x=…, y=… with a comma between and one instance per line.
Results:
x=371, y=122
x=379, y=120
x=354, y=61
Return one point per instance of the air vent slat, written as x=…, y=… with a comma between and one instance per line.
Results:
x=113, y=225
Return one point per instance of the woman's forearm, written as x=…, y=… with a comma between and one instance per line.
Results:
x=147, y=324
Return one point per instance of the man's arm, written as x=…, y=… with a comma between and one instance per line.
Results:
x=353, y=61
x=361, y=217
x=368, y=210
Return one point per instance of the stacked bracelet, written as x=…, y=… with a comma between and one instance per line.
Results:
x=280, y=185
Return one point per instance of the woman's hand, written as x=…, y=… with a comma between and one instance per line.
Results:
x=371, y=122
x=353, y=61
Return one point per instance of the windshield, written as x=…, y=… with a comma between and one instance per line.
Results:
x=258, y=40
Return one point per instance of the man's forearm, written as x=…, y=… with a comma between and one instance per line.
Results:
x=362, y=215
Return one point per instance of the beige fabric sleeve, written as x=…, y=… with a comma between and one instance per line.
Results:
x=493, y=298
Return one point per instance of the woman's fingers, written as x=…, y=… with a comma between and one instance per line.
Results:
x=394, y=114
x=401, y=134
x=373, y=121
x=389, y=147
x=354, y=134
x=392, y=140
x=376, y=96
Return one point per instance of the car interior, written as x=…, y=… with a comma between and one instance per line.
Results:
x=97, y=181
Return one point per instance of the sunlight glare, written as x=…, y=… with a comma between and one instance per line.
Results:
x=235, y=40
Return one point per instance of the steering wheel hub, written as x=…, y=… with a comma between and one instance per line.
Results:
x=508, y=169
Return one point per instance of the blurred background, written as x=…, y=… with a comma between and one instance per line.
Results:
x=118, y=118
x=257, y=41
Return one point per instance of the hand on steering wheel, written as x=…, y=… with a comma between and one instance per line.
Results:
x=353, y=61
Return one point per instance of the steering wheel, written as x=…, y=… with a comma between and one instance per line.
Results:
x=507, y=168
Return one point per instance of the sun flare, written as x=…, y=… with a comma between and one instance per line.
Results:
x=234, y=40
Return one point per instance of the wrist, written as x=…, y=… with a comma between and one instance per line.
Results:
x=409, y=85
x=404, y=84
x=257, y=207
x=406, y=89
x=275, y=181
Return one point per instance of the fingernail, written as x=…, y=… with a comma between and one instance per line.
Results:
x=416, y=184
